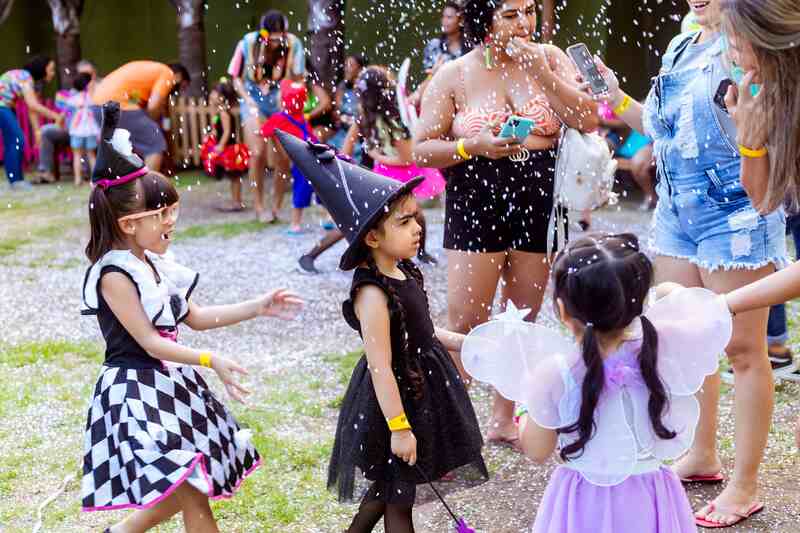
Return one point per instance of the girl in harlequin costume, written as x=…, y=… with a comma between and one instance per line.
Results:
x=222, y=156
x=406, y=415
x=157, y=439
x=618, y=399
x=388, y=141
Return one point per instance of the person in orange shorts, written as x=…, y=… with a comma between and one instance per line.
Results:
x=142, y=89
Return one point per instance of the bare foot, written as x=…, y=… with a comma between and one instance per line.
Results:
x=696, y=465
x=731, y=505
x=502, y=431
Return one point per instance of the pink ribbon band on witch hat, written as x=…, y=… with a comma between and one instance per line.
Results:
x=105, y=184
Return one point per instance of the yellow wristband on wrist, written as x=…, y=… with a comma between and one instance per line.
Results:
x=753, y=154
x=623, y=105
x=205, y=359
x=399, y=423
x=461, y=151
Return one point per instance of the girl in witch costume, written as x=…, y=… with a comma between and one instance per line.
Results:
x=406, y=415
x=388, y=141
x=619, y=399
x=157, y=439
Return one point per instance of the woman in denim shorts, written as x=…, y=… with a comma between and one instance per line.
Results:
x=261, y=59
x=706, y=233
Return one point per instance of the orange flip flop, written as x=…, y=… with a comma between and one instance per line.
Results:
x=755, y=508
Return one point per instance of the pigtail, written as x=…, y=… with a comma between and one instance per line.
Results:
x=648, y=359
x=590, y=396
x=105, y=232
x=406, y=365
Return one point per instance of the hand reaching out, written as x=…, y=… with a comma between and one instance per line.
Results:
x=280, y=303
x=226, y=370
x=614, y=94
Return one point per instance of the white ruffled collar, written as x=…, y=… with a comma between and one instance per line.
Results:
x=165, y=300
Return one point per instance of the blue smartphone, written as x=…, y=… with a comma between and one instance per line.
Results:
x=517, y=127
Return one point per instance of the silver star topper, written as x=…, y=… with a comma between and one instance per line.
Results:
x=512, y=313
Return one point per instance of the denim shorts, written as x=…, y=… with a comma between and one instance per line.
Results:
x=708, y=219
x=266, y=103
x=85, y=143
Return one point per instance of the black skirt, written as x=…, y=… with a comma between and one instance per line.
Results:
x=442, y=420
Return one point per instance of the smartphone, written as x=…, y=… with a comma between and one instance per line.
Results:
x=583, y=59
x=722, y=90
x=517, y=127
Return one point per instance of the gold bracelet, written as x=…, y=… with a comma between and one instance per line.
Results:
x=205, y=359
x=461, y=151
x=623, y=106
x=399, y=423
x=753, y=154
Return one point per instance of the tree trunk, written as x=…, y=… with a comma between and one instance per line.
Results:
x=192, y=43
x=5, y=9
x=67, y=24
x=326, y=41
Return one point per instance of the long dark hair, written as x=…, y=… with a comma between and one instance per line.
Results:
x=477, y=16
x=603, y=281
x=406, y=364
x=106, y=206
x=227, y=92
x=375, y=90
x=37, y=67
x=272, y=21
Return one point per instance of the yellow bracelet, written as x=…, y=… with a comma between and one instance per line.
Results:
x=461, y=151
x=205, y=359
x=623, y=106
x=399, y=423
x=753, y=154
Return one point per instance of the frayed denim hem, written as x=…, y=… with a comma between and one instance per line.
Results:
x=777, y=339
x=779, y=262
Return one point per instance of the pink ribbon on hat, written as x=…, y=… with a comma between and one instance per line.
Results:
x=105, y=184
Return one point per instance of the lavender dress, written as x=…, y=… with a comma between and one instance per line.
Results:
x=619, y=484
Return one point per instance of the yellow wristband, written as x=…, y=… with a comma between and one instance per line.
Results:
x=399, y=423
x=623, y=105
x=205, y=359
x=461, y=151
x=753, y=154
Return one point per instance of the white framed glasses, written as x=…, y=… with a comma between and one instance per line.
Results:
x=168, y=213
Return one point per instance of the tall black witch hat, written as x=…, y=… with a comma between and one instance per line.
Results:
x=355, y=197
x=116, y=163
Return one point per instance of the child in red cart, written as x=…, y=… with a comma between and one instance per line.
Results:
x=222, y=156
x=292, y=121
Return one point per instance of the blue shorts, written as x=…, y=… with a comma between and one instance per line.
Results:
x=708, y=219
x=85, y=143
x=302, y=191
x=267, y=103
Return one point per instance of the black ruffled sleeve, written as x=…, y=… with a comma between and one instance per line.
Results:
x=361, y=277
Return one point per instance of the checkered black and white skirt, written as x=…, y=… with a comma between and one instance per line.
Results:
x=149, y=430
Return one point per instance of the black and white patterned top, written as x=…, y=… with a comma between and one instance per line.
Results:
x=164, y=289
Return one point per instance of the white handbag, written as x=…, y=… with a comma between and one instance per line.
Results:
x=584, y=178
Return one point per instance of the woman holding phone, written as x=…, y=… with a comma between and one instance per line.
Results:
x=706, y=233
x=499, y=189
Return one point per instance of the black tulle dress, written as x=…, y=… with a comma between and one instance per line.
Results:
x=442, y=418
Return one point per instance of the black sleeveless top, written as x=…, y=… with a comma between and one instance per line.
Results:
x=411, y=294
x=122, y=350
